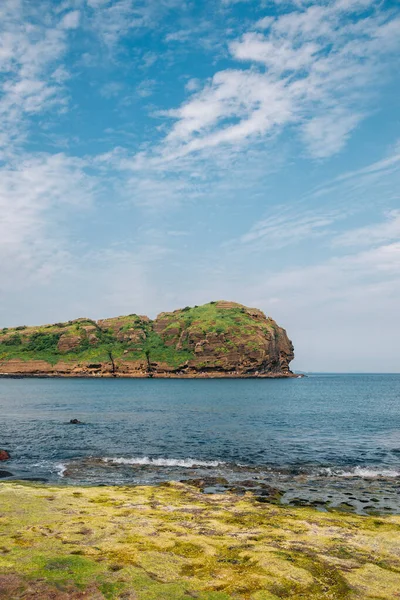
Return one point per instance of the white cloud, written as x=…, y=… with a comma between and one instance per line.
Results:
x=97, y=3
x=161, y=183
x=381, y=167
x=376, y=233
x=312, y=67
x=379, y=180
x=245, y=102
x=340, y=277
x=352, y=194
x=33, y=41
x=193, y=85
x=34, y=194
x=146, y=88
x=71, y=20
x=49, y=274
x=264, y=23
x=111, y=89
x=179, y=36
x=277, y=55
x=288, y=226
x=347, y=307
x=112, y=20
x=327, y=134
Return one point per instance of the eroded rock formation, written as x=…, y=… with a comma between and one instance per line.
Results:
x=219, y=339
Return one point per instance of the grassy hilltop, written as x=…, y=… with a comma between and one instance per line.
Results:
x=175, y=543
x=217, y=338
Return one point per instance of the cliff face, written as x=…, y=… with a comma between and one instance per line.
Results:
x=219, y=339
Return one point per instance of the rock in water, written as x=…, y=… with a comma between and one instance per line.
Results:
x=75, y=422
x=4, y=455
x=218, y=339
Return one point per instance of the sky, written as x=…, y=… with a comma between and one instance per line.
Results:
x=156, y=154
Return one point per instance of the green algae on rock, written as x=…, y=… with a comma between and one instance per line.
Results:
x=219, y=339
x=175, y=543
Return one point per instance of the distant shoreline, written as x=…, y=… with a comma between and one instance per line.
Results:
x=155, y=376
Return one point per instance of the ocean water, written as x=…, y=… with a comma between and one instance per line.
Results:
x=324, y=439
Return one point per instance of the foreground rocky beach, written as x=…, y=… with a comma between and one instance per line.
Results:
x=175, y=542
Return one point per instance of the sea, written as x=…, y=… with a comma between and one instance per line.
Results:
x=327, y=440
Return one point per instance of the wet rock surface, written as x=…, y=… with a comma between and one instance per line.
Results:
x=213, y=485
x=4, y=455
x=208, y=482
x=361, y=496
x=357, y=495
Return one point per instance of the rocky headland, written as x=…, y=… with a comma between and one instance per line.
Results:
x=219, y=339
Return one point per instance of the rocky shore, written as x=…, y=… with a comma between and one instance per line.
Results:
x=174, y=542
x=220, y=339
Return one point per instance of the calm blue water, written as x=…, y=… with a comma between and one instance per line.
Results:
x=151, y=430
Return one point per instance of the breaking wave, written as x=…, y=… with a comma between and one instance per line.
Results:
x=364, y=472
x=164, y=462
x=47, y=467
x=60, y=468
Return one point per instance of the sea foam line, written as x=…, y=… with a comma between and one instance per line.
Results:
x=365, y=472
x=164, y=462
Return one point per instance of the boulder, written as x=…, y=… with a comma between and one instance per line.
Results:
x=4, y=455
x=4, y=474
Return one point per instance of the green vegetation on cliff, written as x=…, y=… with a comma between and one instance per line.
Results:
x=175, y=543
x=222, y=336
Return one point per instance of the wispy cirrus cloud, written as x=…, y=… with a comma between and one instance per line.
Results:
x=312, y=68
x=33, y=42
x=35, y=193
x=113, y=20
x=340, y=277
x=355, y=293
x=375, y=234
x=382, y=178
x=288, y=227
x=372, y=188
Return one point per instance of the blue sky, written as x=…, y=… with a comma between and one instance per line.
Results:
x=162, y=153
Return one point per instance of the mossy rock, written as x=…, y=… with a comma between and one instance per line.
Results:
x=215, y=339
x=172, y=542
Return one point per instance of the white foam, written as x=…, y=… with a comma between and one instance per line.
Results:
x=365, y=472
x=60, y=468
x=46, y=465
x=164, y=462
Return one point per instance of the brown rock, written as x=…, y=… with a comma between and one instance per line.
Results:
x=68, y=342
x=222, y=339
x=4, y=455
x=260, y=349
